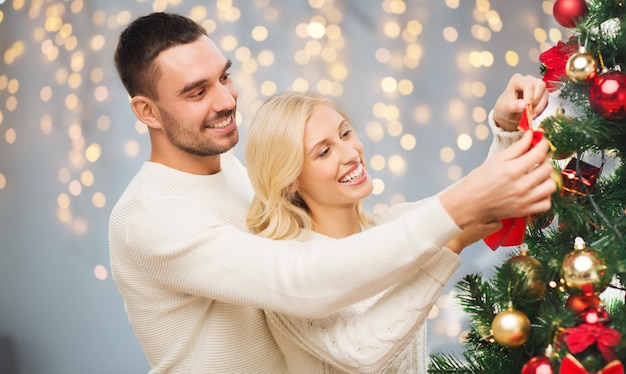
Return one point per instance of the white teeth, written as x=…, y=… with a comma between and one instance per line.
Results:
x=354, y=175
x=221, y=124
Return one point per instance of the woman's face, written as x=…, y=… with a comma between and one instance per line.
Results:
x=334, y=172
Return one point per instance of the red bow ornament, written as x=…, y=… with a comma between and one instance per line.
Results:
x=513, y=229
x=554, y=61
x=570, y=365
x=584, y=335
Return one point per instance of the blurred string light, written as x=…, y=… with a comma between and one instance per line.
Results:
x=81, y=80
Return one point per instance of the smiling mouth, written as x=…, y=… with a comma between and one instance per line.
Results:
x=353, y=176
x=221, y=124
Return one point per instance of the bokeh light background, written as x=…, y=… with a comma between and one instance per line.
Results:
x=418, y=78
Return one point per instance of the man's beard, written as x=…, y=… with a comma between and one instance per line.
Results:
x=193, y=143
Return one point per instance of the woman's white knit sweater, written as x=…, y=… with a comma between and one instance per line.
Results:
x=384, y=334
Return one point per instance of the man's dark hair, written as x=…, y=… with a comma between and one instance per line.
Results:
x=142, y=41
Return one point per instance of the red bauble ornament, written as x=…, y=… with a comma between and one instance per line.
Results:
x=568, y=12
x=537, y=365
x=607, y=95
x=595, y=315
x=579, y=304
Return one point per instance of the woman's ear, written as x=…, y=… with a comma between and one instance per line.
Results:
x=293, y=188
x=146, y=111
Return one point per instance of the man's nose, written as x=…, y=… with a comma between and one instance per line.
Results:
x=224, y=100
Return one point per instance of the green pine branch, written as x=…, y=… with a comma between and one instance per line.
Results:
x=595, y=213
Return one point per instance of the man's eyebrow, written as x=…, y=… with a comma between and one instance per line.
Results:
x=192, y=85
x=227, y=66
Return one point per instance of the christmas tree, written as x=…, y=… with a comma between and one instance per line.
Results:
x=556, y=305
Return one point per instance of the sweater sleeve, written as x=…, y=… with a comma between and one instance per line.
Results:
x=501, y=139
x=178, y=246
x=368, y=341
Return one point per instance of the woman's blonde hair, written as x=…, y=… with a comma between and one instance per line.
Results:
x=275, y=158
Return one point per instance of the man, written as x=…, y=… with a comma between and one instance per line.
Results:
x=195, y=283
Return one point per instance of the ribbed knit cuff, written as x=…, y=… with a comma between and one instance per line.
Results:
x=443, y=265
x=433, y=221
x=502, y=139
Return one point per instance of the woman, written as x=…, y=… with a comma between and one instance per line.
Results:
x=308, y=171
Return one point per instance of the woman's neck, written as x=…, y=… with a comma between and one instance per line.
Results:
x=337, y=223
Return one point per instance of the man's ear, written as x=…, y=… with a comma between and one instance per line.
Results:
x=146, y=111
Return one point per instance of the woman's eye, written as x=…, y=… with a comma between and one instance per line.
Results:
x=324, y=152
x=346, y=134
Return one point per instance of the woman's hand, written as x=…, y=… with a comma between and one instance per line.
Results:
x=471, y=234
x=520, y=91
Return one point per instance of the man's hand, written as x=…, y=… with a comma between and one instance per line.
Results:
x=516, y=182
x=521, y=91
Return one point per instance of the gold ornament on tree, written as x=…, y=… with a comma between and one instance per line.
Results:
x=584, y=271
x=557, y=177
x=511, y=328
x=531, y=271
x=581, y=66
x=555, y=152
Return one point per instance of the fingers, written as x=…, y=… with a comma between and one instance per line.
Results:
x=490, y=228
x=531, y=168
x=513, y=183
x=536, y=95
x=540, y=101
x=473, y=233
x=535, y=189
x=516, y=149
x=539, y=198
x=522, y=90
x=529, y=90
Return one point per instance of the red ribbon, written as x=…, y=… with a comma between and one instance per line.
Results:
x=570, y=365
x=582, y=336
x=513, y=229
x=511, y=234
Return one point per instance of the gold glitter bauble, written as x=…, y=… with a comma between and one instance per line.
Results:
x=557, y=154
x=584, y=271
x=532, y=271
x=560, y=119
x=581, y=67
x=511, y=328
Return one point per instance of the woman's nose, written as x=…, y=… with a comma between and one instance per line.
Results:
x=349, y=154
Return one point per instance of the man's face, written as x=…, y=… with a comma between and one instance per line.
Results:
x=197, y=98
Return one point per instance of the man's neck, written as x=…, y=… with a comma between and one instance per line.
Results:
x=199, y=165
